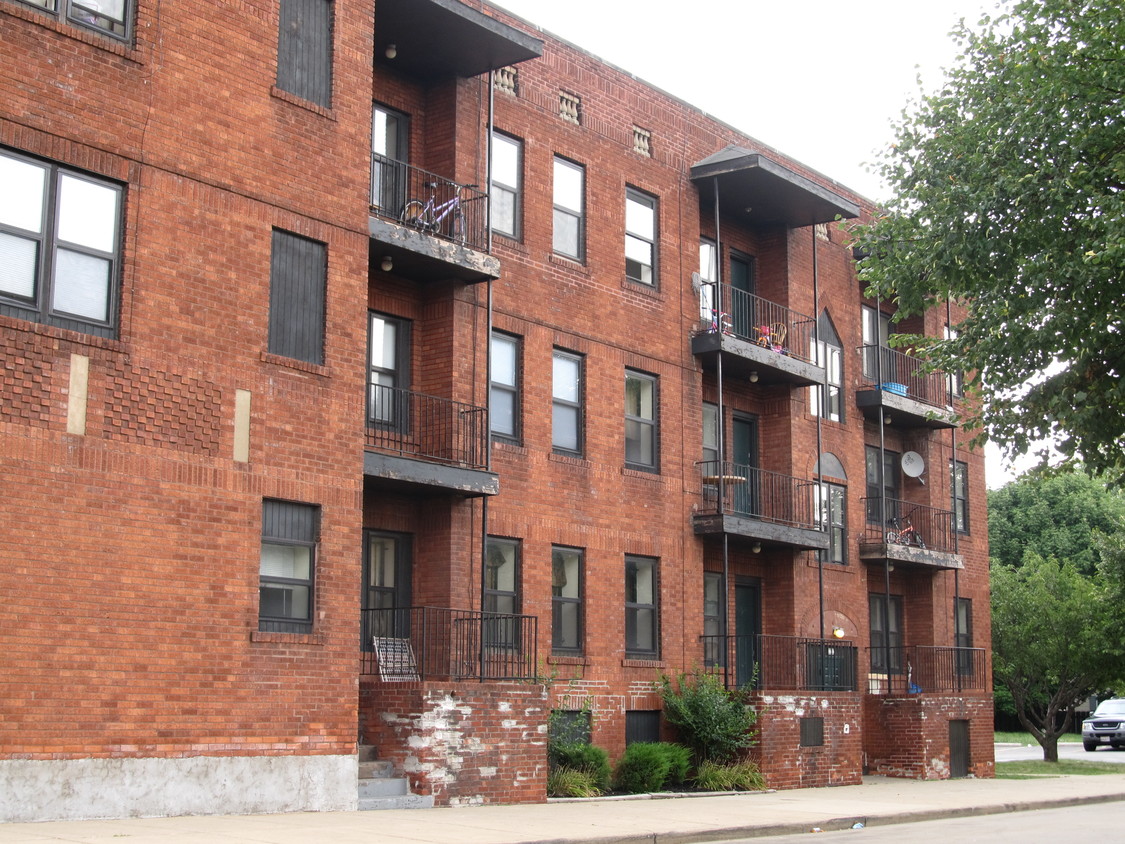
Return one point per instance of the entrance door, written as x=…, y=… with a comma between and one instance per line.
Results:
x=747, y=628
x=958, y=748
x=742, y=308
x=390, y=132
x=744, y=455
x=386, y=586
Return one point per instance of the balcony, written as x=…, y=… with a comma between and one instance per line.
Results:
x=765, y=508
x=911, y=535
x=427, y=444
x=782, y=663
x=919, y=669
x=426, y=227
x=909, y=396
x=757, y=339
x=406, y=644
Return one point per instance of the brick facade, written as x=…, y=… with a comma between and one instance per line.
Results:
x=136, y=464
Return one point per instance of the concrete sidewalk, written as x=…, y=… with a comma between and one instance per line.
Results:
x=665, y=820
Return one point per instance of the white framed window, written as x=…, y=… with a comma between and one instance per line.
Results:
x=569, y=233
x=507, y=181
x=504, y=395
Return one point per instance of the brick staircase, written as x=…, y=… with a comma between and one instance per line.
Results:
x=379, y=788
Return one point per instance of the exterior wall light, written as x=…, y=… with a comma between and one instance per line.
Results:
x=387, y=264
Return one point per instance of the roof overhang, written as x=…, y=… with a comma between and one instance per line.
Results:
x=759, y=191
x=436, y=39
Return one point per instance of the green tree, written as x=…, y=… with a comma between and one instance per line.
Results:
x=1064, y=516
x=1051, y=643
x=1008, y=196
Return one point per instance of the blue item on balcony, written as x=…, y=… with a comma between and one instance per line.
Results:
x=897, y=389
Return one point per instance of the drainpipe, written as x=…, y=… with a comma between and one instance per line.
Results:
x=824, y=512
x=953, y=515
x=721, y=440
x=488, y=374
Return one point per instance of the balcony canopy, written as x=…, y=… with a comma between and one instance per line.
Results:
x=435, y=39
x=757, y=191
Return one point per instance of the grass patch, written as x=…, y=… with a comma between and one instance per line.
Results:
x=1026, y=738
x=1033, y=769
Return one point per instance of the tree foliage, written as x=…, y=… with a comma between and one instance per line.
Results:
x=713, y=721
x=1052, y=642
x=1065, y=516
x=1007, y=187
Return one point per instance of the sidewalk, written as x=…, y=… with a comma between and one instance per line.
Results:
x=670, y=820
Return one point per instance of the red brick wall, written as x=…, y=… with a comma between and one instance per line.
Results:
x=909, y=736
x=464, y=743
x=786, y=764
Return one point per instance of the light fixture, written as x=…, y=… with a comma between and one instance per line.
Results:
x=754, y=377
x=886, y=420
x=391, y=51
x=837, y=632
x=756, y=547
x=387, y=264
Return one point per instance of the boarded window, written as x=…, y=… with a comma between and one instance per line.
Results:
x=642, y=725
x=812, y=732
x=304, y=50
x=298, y=267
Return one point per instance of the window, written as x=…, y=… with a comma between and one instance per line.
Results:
x=566, y=403
x=298, y=267
x=109, y=16
x=832, y=516
x=825, y=399
x=504, y=395
x=878, y=359
x=60, y=250
x=640, y=237
x=709, y=276
x=386, y=579
x=960, y=490
x=507, y=181
x=390, y=152
x=642, y=725
x=963, y=635
x=570, y=205
x=890, y=483
x=710, y=437
x=304, y=50
x=501, y=591
x=387, y=371
x=640, y=421
x=712, y=618
x=812, y=731
x=285, y=592
x=956, y=378
x=566, y=599
x=642, y=623
x=886, y=632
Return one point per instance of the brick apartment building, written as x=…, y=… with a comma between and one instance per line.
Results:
x=297, y=463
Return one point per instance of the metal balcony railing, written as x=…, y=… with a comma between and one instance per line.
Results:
x=915, y=669
x=790, y=663
x=756, y=493
x=427, y=427
x=906, y=522
x=757, y=320
x=431, y=203
x=436, y=643
x=895, y=372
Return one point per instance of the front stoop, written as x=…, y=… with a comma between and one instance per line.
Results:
x=379, y=788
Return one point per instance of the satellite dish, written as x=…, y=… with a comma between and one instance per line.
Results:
x=912, y=464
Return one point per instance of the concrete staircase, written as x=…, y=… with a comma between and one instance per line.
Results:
x=379, y=788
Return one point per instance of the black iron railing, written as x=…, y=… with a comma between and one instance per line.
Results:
x=791, y=663
x=757, y=320
x=737, y=489
x=427, y=427
x=909, y=524
x=915, y=669
x=438, y=206
x=436, y=643
x=895, y=372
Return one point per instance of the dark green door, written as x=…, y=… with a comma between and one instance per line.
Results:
x=744, y=455
x=741, y=305
x=747, y=628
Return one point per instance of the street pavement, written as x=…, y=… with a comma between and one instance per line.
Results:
x=879, y=801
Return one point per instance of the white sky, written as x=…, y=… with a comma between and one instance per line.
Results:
x=820, y=80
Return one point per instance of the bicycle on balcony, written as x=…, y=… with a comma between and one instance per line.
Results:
x=446, y=219
x=904, y=533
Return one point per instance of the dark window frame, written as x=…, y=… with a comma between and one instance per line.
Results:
x=651, y=240
x=76, y=12
x=578, y=407
x=398, y=623
x=514, y=389
x=299, y=57
x=714, y=649
x=502, y=633
x=298, y=291
x=283, y=524
x=39, y=306
x=892, y=482
x=652, y=465
x=959, y=499
x=634, y=609
x=833, y=518
x=515, y=191
x=393, y=407
x=389, y=174
x=963, y=634
x=578, y=214
x=642, y=726
x=880, y=638
x=560, y=601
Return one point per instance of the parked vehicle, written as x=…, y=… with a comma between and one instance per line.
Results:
x=1106, y=725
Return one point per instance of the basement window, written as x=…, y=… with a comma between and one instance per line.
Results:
x=812, y=732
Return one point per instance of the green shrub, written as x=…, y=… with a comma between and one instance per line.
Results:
x=679, y=761
x=713, y=721
x=580, y=756
x=737, y=776
x=644, y=767
x=568, y=782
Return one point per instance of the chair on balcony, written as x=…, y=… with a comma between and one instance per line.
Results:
x=773, y=336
